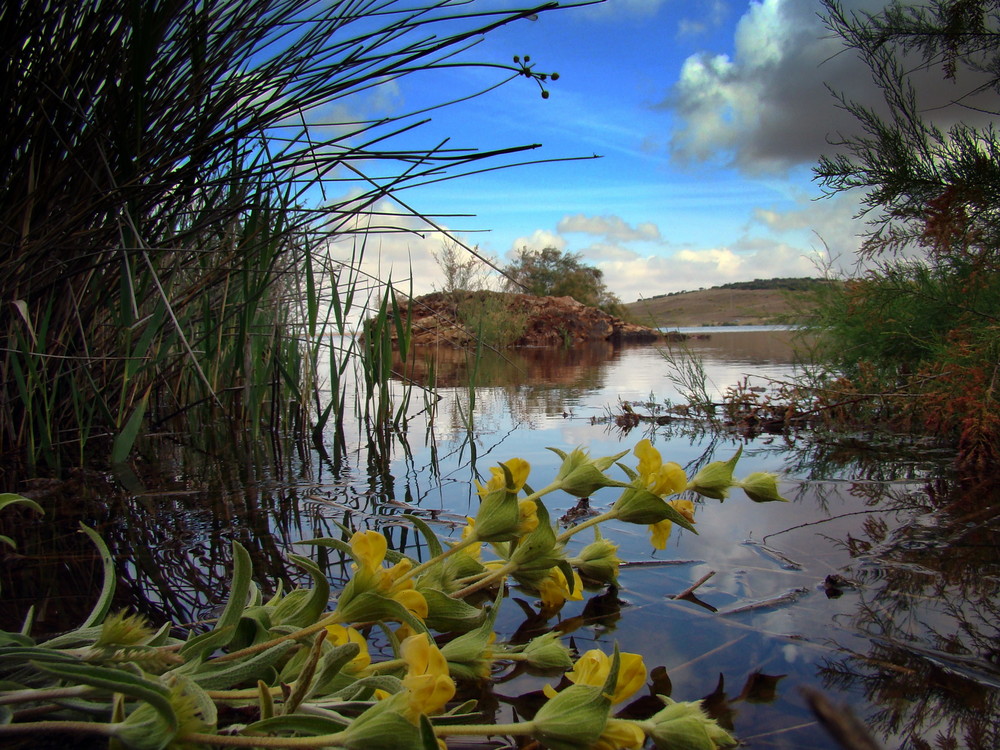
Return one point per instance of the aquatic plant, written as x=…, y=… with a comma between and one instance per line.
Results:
x=290, y=671
x=174, y=177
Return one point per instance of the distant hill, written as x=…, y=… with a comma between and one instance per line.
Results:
x=757, y=302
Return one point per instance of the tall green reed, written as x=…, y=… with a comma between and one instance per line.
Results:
x=167, y=189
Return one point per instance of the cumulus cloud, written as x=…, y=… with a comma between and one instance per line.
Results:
x=631, y=275
x=390, y=245
x=609, y=227
x=768, y=106
x=765, y=108
x=539, y=240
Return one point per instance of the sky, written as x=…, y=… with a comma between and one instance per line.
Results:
x=707, y=118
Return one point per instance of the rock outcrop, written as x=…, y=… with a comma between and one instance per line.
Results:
x=532, y=321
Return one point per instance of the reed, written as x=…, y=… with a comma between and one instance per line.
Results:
x=168, y=193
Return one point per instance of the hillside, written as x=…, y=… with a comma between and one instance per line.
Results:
x=729, y=305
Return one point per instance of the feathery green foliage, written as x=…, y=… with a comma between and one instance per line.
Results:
x=920, y=328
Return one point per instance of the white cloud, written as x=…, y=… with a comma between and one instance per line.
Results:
x=393, y=247
x=539, y=240
x=610, y=227
x=767, y=106
x=631, y=275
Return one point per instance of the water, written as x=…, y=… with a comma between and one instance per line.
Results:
x=876, y=584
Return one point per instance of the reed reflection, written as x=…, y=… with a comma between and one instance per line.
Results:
x=929, y=611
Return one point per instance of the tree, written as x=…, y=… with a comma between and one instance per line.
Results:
x=463, y=271
x=552, y=273
x=924, y=321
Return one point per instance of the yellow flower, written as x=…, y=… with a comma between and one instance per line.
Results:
x=474, y=551
x=519, y=470
x=427, y=680
x=527, y=512
x=658, y=477
x=340, y=635
x=619, y=735
x=660, y=531
x=554, y=589
x=592, y=668
x=369, y=547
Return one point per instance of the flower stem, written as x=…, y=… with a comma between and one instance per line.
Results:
x=46, y=727
x=386, y=666
x=484, y=730
x=457, y=547
x=237, y=740
x=332, y=619
x=556, y=485
x=496, y=575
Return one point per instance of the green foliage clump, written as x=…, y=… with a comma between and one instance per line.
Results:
x=492, y=317
x=920, y=329
x=552, y=273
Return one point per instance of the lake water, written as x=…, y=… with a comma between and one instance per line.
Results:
x=877, y=584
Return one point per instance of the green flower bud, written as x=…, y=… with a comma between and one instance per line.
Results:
x=448, y=615
x=685, y=726
x=715, y=479
x=538, y=550
x=599, y=560
x=581, y=476
x=547, y=653
x=499, y=516
x=383, y=726
x=470, y=656
x=149, y=728
x=574, y=718
x=120, y=629
x=762, y=487
x=640, y=506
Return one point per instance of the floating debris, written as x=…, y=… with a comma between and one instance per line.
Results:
x=781, y=600
x=769, y=552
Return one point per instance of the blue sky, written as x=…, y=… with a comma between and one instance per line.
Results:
x=707, y=116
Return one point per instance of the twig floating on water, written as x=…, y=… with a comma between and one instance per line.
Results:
x=775, y=601
x=691, y=589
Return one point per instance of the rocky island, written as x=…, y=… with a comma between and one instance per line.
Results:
x=519, y=320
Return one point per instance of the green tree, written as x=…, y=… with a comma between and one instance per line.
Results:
x=552, y=273
x=924, y=322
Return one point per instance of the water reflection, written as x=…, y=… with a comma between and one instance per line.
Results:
x=928, y=604
x=876, y=583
